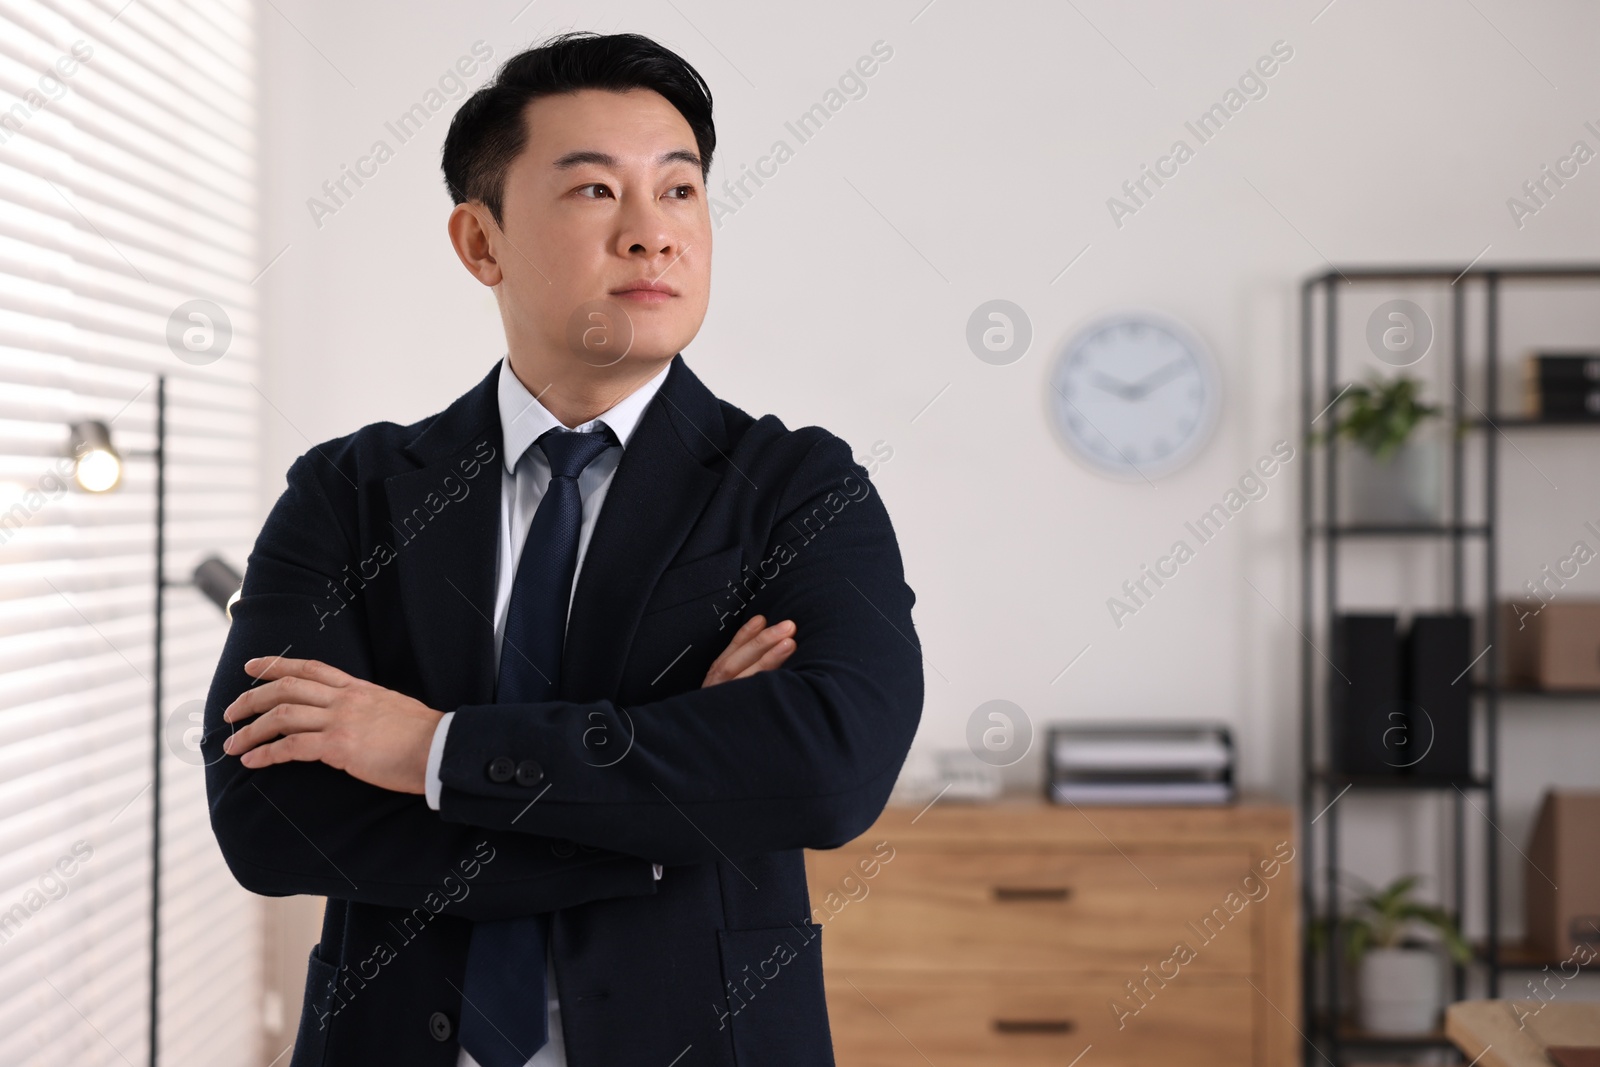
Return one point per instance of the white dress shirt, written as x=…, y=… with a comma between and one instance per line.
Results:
x=522, y=485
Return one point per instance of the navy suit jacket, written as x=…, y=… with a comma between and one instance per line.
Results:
x=379, y=558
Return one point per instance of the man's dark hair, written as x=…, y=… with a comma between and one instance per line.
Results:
x=489, y=132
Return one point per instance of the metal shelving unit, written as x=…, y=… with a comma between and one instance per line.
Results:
x=1329, y=1034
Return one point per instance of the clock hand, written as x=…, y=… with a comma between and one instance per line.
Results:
x=1113, y=386
x=1159, y=376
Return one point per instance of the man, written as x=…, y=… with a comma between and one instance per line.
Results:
x=500, y=683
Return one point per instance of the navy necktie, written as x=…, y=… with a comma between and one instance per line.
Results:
x=504, y=1014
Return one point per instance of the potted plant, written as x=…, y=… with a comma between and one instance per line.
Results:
x=1390, y=474
x=1397, y=973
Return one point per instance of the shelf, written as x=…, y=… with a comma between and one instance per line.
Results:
x=1452, y=274
x=1350, y=1034
x=1472, y=581
x=1524, y=422
x=1521, y=692
x=1399, y=530
x=1334, y=779
x=1518, y=956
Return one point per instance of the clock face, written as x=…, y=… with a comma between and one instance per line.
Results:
x=1134, y=395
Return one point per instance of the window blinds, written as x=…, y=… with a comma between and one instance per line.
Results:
x=127, y=189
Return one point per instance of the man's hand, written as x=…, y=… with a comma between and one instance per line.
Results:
x=752, y=651
x=319, y=712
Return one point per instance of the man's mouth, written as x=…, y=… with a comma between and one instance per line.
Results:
x=646, y=291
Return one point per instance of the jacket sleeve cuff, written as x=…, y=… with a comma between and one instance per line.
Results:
x=432, y=785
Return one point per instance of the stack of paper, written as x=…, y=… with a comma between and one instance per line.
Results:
x=1121, y=763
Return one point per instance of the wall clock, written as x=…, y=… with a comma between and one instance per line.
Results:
x=1134, y=395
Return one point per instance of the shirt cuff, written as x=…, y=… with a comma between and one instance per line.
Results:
x=432, y=785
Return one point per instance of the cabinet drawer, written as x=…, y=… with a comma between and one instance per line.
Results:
x=891, y=1022
x=1039, y=911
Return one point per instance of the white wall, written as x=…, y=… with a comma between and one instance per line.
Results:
x=987, y=148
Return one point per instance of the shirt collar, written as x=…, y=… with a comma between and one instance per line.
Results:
x=523, y=418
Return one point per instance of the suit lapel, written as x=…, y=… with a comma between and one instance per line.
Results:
x=443, y=522
x=445, y=539
x=658, y=491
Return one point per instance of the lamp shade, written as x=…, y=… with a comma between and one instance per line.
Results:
x=220, y=583
x=96, y=464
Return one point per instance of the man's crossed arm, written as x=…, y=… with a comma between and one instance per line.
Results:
x=321, y=713
x=763, y=761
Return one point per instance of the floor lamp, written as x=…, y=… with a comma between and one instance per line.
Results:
x=97, y=468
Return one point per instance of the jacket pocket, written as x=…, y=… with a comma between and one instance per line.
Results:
x=772, y=984
x=699, y=578
x=311, y=1040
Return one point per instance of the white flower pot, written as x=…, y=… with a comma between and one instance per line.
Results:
x=1400, y=991
x=1403, y=490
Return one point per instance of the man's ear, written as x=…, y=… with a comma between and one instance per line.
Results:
x=470, y=225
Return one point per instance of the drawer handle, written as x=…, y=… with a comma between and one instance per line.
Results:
x=1034, y=1026
x=1006, y=893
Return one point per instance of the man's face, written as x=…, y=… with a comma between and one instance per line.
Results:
x=606, y=193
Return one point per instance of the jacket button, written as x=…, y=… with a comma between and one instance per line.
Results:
x=439, y=1026
x=529, y=773
x=501, y=769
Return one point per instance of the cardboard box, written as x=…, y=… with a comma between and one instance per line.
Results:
x=1562, y=895
x=1553, y=646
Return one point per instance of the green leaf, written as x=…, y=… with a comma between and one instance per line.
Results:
x=1381, y=917
x=1358, y=939
x=1380, y=415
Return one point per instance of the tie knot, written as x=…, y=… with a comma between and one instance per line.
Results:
x=570, y=451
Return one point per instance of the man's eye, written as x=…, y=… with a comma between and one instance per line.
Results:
x=593, y=185
x=688, y=189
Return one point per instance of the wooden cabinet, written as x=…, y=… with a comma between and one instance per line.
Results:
x=1020, y=932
